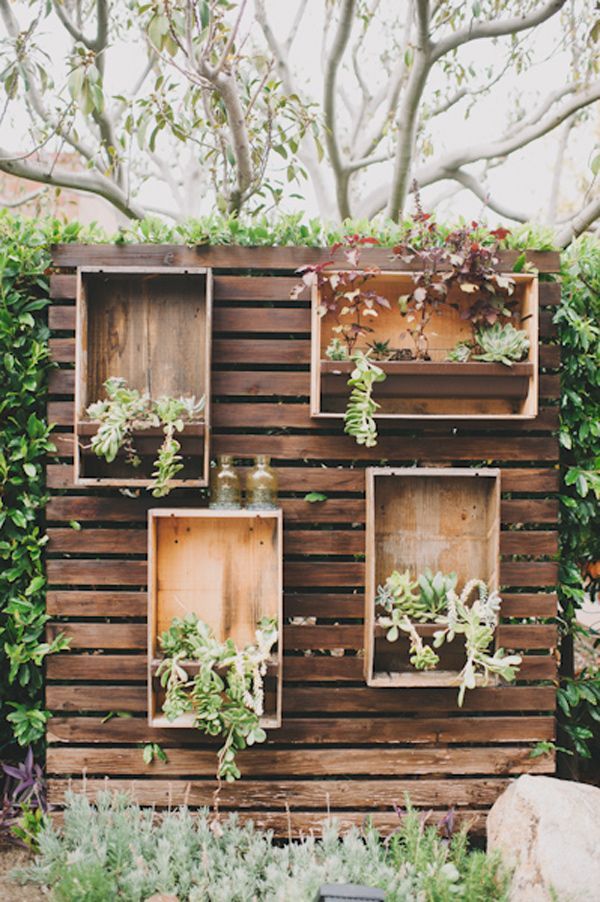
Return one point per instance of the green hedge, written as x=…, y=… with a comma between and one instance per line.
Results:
x=578, y=319
x=24, y=444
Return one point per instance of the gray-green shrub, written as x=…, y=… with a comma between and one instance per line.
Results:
x=115, y=849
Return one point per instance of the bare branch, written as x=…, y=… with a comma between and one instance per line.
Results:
x=495, y=28
x=473, y=185
x=558, y=169
x=334, y=58
x=508, y=144
x=579, y=223
x=447, y=104
x=306, y=151
x=24, y=199
x=91, y=182
x=70, y=26
x=408, y=114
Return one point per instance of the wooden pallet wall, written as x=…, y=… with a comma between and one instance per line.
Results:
x=343, y=747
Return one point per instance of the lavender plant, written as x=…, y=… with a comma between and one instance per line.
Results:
x=115, y=850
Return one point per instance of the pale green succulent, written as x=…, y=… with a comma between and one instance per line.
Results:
x=461, y=352
x=435, y=588
x=336, y=350
x=501, y=344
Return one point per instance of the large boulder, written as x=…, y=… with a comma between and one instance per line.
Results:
x=549, y=831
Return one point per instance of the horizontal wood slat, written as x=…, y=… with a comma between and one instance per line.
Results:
x=85, y=603
x=296, y=541
x=293, y=763
x=235, y=257
x=322, y=731
x=310, y=669
x=303, y=700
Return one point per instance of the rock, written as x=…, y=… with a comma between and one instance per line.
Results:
x=548, y=830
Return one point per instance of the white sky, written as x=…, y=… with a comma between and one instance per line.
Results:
x=523, y=182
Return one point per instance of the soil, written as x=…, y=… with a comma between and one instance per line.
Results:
x=10, y=891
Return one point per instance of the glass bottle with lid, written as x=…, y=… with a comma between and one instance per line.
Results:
x=261, y=485
x=225, y=493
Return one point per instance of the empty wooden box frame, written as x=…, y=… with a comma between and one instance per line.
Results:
x=435, y=389
x=224, y=566
x=446, y=519
x=153, y=328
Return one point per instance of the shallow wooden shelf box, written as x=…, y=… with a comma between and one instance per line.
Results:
x=152, y=327
x=224, y=566
x=435, y=389
x=446, y=519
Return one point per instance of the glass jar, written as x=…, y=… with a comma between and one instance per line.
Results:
x=225, y=493
x=261, y=485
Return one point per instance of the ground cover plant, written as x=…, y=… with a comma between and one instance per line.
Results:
x=117, y=850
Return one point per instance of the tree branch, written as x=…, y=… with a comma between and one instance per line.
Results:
x=473, y=185
x=91, y=182
x=306, y=151
x=334, y=57
x=495, y=28
x=558, y=169
x=508, y=144
x=20, y=201
x=408, y=114
x=579, y=223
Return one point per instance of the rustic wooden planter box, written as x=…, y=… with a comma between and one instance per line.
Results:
x=435, y=389
x=151, y=326
x=224, y=566
x=446, y=519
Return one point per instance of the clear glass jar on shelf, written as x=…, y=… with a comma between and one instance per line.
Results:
x=225, y=490
x=261, y=485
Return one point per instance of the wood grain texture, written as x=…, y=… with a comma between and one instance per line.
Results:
x=342, y=746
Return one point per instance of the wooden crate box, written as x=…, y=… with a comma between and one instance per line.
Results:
x=434, y=389
x=152, y=327
x=224, y=566
x=445, y=519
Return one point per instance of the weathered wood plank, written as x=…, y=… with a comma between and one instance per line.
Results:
x=80, y=603
x=116, y=761
x=234, y=351
x=334, y=510
x=296, y=541
x=236, y=257
x=295, y=794
x=363, y=731
x=297, y=668
x=304, y=700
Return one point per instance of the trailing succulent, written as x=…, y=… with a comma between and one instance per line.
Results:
x=126, y=411
x=432, y=598
x=226, y=696
x=360, y=410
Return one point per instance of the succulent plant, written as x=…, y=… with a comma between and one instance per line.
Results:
x=336, y=350
x=380, y=350
x=501, y=344
x=435, y=588
x=461, y=352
